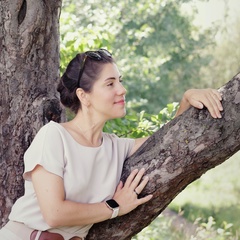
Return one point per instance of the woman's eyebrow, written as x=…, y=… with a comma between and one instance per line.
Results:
x=113, y=78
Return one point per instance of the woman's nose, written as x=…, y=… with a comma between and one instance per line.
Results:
x=122, y=90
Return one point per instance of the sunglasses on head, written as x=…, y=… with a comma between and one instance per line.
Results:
x=94, y=55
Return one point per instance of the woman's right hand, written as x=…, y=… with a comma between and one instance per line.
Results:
x=127, y=195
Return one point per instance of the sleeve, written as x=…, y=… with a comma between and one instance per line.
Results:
x=128, y=144
x=125, y=145
x=46, y=150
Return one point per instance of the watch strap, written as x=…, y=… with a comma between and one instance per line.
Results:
x=115, y=212
x=113, y=205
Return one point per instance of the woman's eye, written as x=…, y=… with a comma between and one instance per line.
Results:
x=110, y=84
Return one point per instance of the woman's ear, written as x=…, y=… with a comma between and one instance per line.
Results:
x=82, y=96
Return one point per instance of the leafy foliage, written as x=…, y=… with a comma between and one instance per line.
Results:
x=136, y=125
x=157, y=48
x=161, y=228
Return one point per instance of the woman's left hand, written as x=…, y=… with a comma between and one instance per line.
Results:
x=198, y=98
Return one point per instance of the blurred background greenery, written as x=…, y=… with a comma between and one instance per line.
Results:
x=163, y=48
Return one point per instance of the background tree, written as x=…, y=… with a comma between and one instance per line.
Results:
x=154, y=36
x=226, y=54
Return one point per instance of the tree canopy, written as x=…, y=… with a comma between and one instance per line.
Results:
x=157, y=48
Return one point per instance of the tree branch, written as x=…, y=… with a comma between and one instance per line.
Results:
x=176, y=155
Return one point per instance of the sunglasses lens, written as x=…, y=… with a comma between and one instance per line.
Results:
x=94, y=55
x=106, y=52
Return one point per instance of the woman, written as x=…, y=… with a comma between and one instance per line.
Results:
x=73, y=169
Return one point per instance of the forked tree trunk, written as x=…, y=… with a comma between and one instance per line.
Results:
x=29, y=67
x=176, y=155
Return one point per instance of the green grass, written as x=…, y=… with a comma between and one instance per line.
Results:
x=215, y=194
x=213, y=200
x=159, y=229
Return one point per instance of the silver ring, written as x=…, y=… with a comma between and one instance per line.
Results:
x=136, y=192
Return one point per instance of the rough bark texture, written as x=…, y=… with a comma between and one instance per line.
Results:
x=29, y=67
x=176, y=155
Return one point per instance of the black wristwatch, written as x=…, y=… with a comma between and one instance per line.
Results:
x=114, y=206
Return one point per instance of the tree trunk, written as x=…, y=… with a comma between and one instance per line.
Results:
x=176, y=155
x=29, y=67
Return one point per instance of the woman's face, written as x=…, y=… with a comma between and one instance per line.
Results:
x=107, y=98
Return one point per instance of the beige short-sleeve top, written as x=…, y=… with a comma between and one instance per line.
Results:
x=90, y=175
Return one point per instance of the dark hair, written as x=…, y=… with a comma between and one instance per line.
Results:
x=69, y=80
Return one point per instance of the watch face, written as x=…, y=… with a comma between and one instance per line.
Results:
x=112, y=203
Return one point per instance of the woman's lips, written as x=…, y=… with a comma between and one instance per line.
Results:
x=120, y=102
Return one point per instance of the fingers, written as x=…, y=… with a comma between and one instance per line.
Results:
x=142, y=185
x=196, y=103
x=217, y=98
x=145, y=199
x=214, y=105
x=138, y=183
x=135, y=183
x=120, y=186
x=134, y=178
x=127, y=195
x=210, y=98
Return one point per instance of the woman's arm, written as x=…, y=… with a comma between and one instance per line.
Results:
x=137, y=144
x=57, y=211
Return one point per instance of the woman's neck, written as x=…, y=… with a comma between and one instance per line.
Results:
x=88, y=129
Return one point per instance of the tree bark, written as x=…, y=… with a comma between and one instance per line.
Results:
x=29, y=67
x=176, y=155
